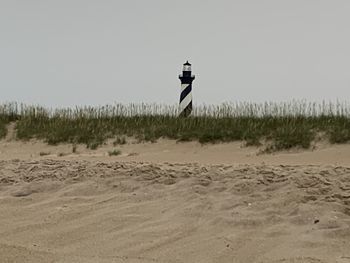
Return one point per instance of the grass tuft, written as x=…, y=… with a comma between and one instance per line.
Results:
x=8, y=113
x=114, y=153
x=3, y=130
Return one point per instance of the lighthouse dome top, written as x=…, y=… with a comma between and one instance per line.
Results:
x=187, y=66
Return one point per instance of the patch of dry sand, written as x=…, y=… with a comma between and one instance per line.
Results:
x=74, y=210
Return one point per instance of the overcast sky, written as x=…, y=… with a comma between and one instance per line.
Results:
x=74, y=52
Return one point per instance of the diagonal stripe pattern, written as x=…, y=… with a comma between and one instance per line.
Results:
x=185, y=106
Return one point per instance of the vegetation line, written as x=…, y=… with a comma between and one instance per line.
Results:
x=284, y=125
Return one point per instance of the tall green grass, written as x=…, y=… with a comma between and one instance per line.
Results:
x=8, y=113
x=2, y=129
x=284, y=125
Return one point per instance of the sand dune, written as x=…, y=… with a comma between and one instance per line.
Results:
x=75, y=210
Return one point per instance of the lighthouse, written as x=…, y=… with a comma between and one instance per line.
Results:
x=186, y=78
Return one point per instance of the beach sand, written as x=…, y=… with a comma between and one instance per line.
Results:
x=173, y=202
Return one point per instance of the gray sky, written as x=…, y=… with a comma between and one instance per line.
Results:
x=74, y=52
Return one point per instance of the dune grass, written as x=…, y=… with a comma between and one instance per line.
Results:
x=2, y=129
x=8, y=113
x=283, y=125
x=114, y=152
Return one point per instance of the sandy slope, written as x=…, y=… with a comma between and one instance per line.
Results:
x=171, y=151
x=149, y=205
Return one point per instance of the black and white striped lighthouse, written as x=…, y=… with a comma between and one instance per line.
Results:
x=186, y=78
